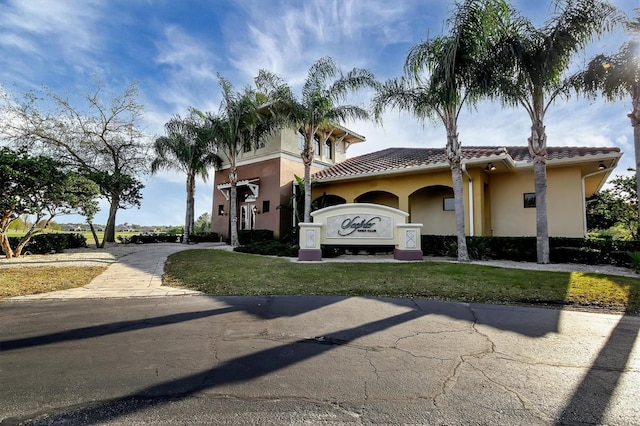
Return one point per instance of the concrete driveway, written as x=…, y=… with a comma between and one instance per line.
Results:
x=313, y=360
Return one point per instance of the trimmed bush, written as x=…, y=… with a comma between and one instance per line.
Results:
x=248, y=236
x=586, y=255
x=523, y=249
x=149, y=239
x=202, y=237
x=47, y=243
x=269, y=248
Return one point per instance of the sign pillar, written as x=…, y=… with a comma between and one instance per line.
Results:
x=309, y=241
x=408, y=247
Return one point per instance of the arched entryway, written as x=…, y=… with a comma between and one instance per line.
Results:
x=379, y=197
x=433, y=207
x=327, y=200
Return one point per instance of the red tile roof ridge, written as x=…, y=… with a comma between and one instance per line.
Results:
x=396, y=158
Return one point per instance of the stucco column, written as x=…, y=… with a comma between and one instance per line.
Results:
x=408, y=242
x=309, y=241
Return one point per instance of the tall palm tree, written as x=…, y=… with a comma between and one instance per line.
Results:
x=241, y=122
x=187, y=147
x=320, y=108
x=617, y=76
x=538, y=59
x=442, y=75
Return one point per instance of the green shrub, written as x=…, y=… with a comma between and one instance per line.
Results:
x=477, y=248
x=586, y=255
x=201, y=237
x=620, y=258
x=635, y=261
x=149, y=239
x=47, y=243
x=248, y=236
x=269, y=248
x=76, y=241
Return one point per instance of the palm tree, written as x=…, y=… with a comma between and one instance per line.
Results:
x=537, y=59
x=319, y=109
x=444, y=73
x=242, y=122
x=616, y=77
x=187, y=148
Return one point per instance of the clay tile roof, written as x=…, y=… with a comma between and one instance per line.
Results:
x=398, y=159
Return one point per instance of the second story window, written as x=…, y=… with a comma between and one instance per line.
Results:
x=327, y=150
x=316, y=146
x=300, y=140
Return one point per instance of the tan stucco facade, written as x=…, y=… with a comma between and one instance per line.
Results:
x=493, y=196
x=494, y=202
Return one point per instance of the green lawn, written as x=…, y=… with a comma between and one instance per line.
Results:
x=218, y=272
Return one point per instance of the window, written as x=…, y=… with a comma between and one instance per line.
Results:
x=265, y=206
x=300, y=140
x=316, y=146
x=220, y=209
x=327, y=149
x=246, y=148
x=529, y=200
x=244, y=217
x=448, y=204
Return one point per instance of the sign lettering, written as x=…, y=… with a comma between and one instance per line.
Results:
x=351, y=225
x=359, y=225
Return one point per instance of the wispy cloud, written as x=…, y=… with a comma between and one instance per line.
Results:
x=287, y=40
x=190, y=76
x=66, y=30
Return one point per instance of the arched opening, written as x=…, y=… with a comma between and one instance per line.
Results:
x=327, y=200
x=379, y=197
x=433, y=207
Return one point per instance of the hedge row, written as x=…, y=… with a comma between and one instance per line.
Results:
x=168, y=238
x=47, y=243
x=591, y=251
x=248, y=236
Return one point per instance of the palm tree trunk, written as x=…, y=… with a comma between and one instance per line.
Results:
x=307, y=159
x=233, y=201
x=542, y=228
x=634, y=116
x=453, y=155
x=188, y=220
x=538, y=150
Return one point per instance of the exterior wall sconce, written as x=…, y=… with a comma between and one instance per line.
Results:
x=601, y=166
x=490, y=167
x=255, y=210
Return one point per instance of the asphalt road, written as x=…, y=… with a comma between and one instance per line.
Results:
x=313, y=360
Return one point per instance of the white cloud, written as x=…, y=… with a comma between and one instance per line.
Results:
x=191, y=79
x=37, y=25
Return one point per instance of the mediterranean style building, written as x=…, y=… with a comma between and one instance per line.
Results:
x=266, y=180
x=499, y=191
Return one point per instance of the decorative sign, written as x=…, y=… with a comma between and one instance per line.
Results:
x=347, y=226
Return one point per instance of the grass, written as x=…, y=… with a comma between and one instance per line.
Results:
x=217, y=272
x=34, y=280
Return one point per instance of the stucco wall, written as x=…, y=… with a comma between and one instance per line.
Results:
x=426, y=207
x=564, y=203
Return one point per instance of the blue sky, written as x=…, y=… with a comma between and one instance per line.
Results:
x=174, y=49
